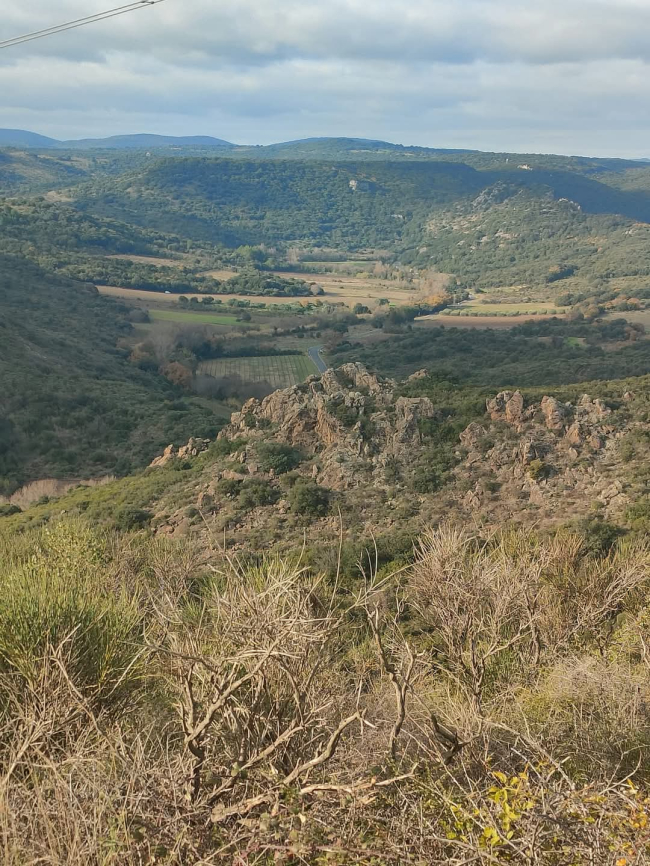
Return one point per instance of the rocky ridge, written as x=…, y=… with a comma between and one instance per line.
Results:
x=365, y=443
x=549, y=455
x=349, y=418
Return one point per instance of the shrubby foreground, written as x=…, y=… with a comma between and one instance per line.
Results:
x=163, y=703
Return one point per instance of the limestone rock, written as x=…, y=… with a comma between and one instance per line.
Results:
x=575, y=435
x=193, y=448
x=507, y=406
x=344, y=416
x=555, y=414
x=592, y=411
x=472, y=436
x=166, y=457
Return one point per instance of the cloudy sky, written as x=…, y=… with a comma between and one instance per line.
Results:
x=566, y=76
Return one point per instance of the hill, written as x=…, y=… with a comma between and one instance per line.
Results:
x=488, y=227
x=71, y=405
x=144, y=140
x=351, y=442
x=23, y=138
x=403, y=611
x=250, y=202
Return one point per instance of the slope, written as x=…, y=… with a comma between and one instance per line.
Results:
x=24, y=138
x=268, y=201
x=71, y=405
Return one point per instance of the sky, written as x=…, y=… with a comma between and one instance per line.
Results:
x=560, y=76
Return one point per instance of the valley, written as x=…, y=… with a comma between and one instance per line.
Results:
x=324, y=505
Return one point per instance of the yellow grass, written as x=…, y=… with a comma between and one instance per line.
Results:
x=223, y=274
x=156, y=297
x=151, y=260
x=531, y=309
x=339, y=288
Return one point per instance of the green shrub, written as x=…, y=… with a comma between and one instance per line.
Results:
x=256, y=493
x=278, y=457
x=229, y=487
x=8, y=510
x=309, y=498
x=427, y=480
x=129, y=518
x=224, y=447
x=345, y=415
x=599, y=535
x=538, y=470
x=59, y=598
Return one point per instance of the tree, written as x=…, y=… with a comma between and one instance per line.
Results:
x=178, y=374
x=309, y=499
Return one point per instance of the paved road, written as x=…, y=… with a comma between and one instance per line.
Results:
x=314, y=354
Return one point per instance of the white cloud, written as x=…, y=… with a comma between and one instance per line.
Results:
x=491, y=74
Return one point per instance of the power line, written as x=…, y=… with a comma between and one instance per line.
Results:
x=79, y=22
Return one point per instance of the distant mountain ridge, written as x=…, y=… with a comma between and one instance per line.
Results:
x=24, y=138
x=324, y=147
x=303, y=146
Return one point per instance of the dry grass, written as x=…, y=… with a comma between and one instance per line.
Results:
x=52, y=488
x=285, y=720
x=157, y=261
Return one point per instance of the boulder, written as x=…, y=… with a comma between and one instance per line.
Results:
x=193, y=448
x=166, y=457
x=592, y=411
x=554, y=412
x=508, y=407
x=472, y=437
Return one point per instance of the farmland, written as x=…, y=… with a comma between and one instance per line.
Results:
x=186, y=317
x=351, y=290
x=474, y=308
x=149, y=298
x=499, y=323
x=280, y=371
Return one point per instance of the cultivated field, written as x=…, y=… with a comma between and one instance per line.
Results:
x=147, y=298
x=280, y=371
x=347, y=290
x=338, y=288
x=224, y=274
x=540, y=308
x=151, y=260
x=476, y=322
x=634, y=317
x=186, y=317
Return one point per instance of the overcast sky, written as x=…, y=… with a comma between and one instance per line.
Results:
x=565, y=76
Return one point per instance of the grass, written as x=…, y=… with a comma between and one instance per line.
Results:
x=479, y=309
x=196, y=318
x=280, y=371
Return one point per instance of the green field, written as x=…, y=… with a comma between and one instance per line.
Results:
x=195, y=318
x=531, y=309
x=280, y=371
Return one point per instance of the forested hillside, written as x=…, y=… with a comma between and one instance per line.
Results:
x=487, y=226
x=240, y=202
x=71, y=405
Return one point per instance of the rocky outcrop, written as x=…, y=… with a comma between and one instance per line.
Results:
x=508, y=407
x=555, y=413
x=193, y=448
x=345, y=416
x=559, y=458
